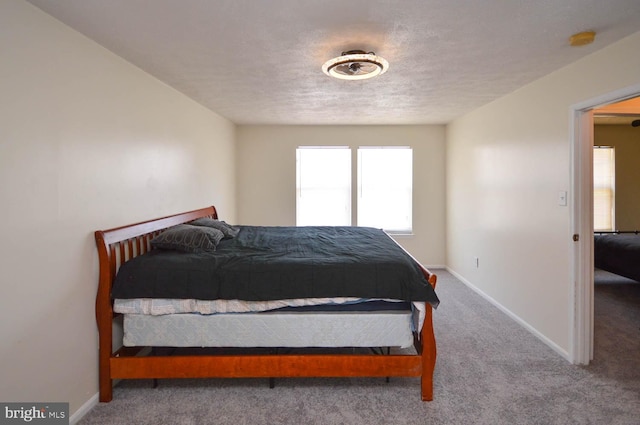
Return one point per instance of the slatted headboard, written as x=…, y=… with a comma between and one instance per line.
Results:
x=118, y=245
x=115, y=247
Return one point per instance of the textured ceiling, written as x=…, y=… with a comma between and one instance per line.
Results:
x=259, y=61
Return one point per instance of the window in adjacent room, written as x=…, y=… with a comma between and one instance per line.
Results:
x=385, y=188
x=603, y=188
x=323, y=186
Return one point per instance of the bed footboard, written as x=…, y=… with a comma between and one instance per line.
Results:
x=116, y=246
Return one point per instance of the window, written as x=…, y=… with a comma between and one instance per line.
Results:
x=385, y=183
x=603, y=188
x=323, y=188
x=382, y=198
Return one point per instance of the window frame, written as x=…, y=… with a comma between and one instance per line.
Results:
x=308, y=221
x=355, y=175
x=361, y=201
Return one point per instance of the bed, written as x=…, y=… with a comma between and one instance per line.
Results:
x=175, y=333
x=619, y=253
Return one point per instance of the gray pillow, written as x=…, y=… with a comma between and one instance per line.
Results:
x=184, y=237
x=227, y=230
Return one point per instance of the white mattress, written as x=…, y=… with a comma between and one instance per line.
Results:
x=161, y=306
x=272, y=329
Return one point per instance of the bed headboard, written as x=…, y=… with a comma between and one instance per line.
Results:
x=118, y=245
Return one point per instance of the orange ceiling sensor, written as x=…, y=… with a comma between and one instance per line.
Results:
x=582, y=38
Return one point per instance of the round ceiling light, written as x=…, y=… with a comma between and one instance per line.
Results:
x=355, y=65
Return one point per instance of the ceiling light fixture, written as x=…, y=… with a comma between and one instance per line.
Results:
x=355, y=65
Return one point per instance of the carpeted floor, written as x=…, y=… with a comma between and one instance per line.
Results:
x=490, y=370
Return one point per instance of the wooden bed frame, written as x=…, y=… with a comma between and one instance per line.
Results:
x=118, y=245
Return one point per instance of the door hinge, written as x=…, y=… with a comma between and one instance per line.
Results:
x=576, y=237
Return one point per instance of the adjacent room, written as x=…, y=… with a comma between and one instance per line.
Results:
x=616, y=221
x=487, y=114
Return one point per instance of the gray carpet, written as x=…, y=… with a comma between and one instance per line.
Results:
x=490, y=371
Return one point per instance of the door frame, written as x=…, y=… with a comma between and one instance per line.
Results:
x=581, y=157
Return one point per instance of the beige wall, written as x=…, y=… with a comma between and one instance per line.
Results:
x=626, y=140
x=266, y=179
x=506, y=164
x=87, y=141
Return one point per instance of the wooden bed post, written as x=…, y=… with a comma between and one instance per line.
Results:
x=104, y=319
x=428, y=341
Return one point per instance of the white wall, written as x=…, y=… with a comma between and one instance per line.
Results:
x=266, y=179
x=87, y=141
x=506, y=164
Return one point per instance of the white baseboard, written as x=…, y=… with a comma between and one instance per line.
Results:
x=84, y=409
x=555, y=347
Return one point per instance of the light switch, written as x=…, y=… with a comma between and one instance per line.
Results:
x=562, y=198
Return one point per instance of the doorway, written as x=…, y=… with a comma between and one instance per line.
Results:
x=582, y=343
